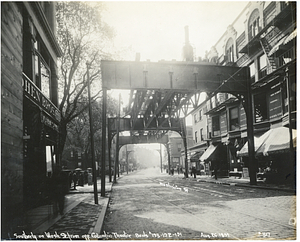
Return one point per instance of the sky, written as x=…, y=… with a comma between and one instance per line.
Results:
x=156, y=29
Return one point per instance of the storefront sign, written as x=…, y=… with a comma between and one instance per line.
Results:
x=48, y=122
x=35, y=95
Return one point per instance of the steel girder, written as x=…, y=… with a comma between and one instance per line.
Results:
x=160, y=91
x=163, y=92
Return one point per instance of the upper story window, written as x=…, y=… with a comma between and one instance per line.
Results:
x=229, y=50
x=195, y=118
x=234, y=118
x=254, y=24
x=262, y=66
x=196, y=136
x=216, y=125
x=252, y=72
x=200, y=114
x=178, y=147
x=201, y=135
x=42, y=73
x=260, y=107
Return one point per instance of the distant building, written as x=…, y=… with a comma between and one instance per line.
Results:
x=175, y=145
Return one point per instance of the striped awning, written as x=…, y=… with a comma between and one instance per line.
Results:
x=275, y=140
x=277, y=46
x=292, y=36
x=278, y=141
x=195, y=157
x=258, y=140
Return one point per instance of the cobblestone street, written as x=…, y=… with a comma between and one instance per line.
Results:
x=143, y=208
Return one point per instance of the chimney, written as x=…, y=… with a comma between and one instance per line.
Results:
x=137, y=57
x=186, y=28
x=188, y=53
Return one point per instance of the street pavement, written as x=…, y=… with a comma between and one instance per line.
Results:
x=153, y=206
x=148, y=205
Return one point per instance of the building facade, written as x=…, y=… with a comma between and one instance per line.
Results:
x=29, y=114
x=263, y=37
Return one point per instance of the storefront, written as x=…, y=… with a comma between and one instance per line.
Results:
x=273, y=152
x=216, y=157
x=41, y=140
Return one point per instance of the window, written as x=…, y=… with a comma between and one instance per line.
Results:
x=200, y=114
x=262, y=66
x=234, y=119
x=254, y=24
x=196, y=136
x=42, y=72
x=195, y=118
x=201, y=135
x=284, y=97
x=179, y=147
x=229, y=51
x=216, y=125
x=260, y=107
x=252, y=72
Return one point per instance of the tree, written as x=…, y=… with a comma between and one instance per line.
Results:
x=83, y=38
x=78, y=136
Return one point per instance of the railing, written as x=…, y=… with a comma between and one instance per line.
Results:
x=286, y=57
x=32, y=92
x=263, y=72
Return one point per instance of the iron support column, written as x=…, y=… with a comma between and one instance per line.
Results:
x=127, y=159
x=182, y=121
x=104, y=107
x=292, y=152
x=250, y=133
x=116, y=170
x=109, y=152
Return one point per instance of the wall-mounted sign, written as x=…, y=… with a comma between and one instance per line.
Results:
x=34, y=94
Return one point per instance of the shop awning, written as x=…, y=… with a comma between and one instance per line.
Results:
x=273, y=141
x=278, y=141
x=212, y=152
x=258, y=140
x=292, y=36
x=277, y=46
x=195, y=157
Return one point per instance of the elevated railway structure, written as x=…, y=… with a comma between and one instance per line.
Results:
x=161, y=95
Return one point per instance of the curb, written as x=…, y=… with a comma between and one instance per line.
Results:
x=249, y=186
x=98, y=227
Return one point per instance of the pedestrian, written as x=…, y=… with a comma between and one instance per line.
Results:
x=178, y=170
x=75, y=179
x=59, y=183
x=194, y=171
x=80, y=180
x=70, y=179
x=216, y=168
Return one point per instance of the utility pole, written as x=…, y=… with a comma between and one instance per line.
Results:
x=92, y=138
x=104, y=106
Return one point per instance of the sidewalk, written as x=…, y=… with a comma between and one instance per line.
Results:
x=81, y=214
x=242, y=182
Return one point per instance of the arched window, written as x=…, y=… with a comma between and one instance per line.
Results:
x=254, y=24
x=229, y=50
